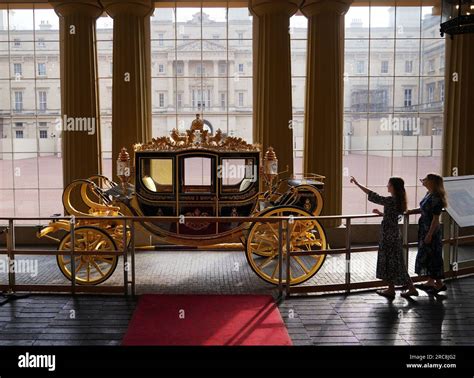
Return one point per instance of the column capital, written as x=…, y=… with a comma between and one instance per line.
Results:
x=265, y=7
x=91, y=8
x=141, y=8
x=312, y=8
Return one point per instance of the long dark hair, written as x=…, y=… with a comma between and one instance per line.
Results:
x=438, y=187
x=400, y=193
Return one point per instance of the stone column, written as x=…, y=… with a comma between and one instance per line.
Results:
x=458, y=159
x=272, y=77
x=131, y=93
x=81, y=146
x=323, y=142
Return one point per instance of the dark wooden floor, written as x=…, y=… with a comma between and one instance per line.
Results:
x=356, y=319
x=368, y=319
x=62, y=320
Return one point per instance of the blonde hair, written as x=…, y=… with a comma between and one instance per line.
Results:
x=438, y=187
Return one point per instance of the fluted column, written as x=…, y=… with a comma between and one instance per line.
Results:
x=131, y=83
x=81, y=144
x=272, y=77
x=458, y=159
x=324, y=97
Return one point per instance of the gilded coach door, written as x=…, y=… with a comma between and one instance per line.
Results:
x=197, y=195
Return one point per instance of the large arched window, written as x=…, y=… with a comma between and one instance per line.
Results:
x=202, y=63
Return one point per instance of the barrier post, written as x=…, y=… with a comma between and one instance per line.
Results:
x=132, y=254
x=73, y=257
x=406, y=247
x=11, y=255
x=288, y=278
x=125, y=257
x=348, y=254
x=455, y=248
x=280, y=260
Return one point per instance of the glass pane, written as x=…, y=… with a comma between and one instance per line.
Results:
x=355, y=201
x=380, y=94
x=406, y=94
x=46, y=26
x=380, y=133
x=354, y=164
x=431, y=126
x=214, y=22
x=379, y=166
x=407, y=57
x=50, y=202
x=432, y=94
x=381, y=57
x=7, y=208
x=163, y=25
x=408, y=21
x=188, y=23
x=50, y=172
x=21, y=25
x=356, y=94
x=298, y=94
x=356, y=57
x=240, y=23
x=382, y=22
x=104, y=58
x=27, y=204
x=105, y=90
x=355, y=132
x=25, y=165
x=432, y=57
x=405, y=165
x=105, y=28
x=197, y=172
x=298, y=27
x=357, y=22
x=430, y=20
x=232, y=172
x=6, y=171
x=298, y=57
x=157, y=175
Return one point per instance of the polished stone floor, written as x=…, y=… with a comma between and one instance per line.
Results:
x=355, y=319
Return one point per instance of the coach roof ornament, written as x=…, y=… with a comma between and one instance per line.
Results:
x=196, y=138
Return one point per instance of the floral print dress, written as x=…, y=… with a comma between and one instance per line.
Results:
x=429, y=259
x=390, y=262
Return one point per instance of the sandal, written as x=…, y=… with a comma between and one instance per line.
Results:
x=408, y=294
x=383, y=293
x=424, y=287
x=435, y=290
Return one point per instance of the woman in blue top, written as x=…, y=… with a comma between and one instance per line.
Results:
x=429, y=260
x=390, y=262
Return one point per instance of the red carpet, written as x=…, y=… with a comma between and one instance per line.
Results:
x=206, y=320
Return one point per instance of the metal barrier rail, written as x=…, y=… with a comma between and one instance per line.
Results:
x=284, y=223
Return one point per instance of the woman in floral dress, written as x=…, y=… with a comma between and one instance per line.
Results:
x=390, y=262
x=429, y=260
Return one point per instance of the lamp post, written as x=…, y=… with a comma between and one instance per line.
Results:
x=123, y=169
x=270, y=167
x=457, y=17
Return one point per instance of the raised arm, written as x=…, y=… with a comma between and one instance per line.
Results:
x=362, y=187
x=372, y=196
